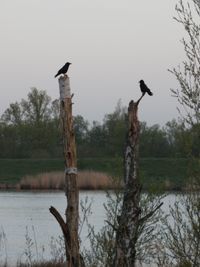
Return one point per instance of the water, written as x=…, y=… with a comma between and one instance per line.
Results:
x=30, y=210
x=23, y=210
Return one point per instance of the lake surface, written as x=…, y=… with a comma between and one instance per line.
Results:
x=29, y=211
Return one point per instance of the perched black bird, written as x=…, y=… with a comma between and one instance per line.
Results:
x=144, y=88
x=63, y=70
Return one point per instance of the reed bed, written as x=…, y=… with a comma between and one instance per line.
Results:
x=87, y=180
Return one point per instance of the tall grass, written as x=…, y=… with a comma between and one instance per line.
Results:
x=152, y=170
x=32, y=257
x=41, y=264
x=89, y=180
x=3, y=248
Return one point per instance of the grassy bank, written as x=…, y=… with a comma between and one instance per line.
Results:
x=170, y=173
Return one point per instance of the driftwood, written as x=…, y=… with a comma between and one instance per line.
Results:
x=130, y=218
x=70, y=227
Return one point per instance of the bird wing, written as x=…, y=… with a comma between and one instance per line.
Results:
x=149, y=91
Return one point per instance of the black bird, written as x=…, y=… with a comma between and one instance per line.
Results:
x=144, y=88
x=63, y=70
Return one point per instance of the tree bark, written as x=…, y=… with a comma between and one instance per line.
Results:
x=127, y=234
x=70, y=227
x=131, y=219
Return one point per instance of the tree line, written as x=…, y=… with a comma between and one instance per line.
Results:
x=31, y=129
x=158, y=241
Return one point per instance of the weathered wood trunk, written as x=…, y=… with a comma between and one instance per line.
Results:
x=70, y=227
x=131, y=219
x=126, y=236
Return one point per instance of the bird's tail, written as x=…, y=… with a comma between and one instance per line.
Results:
x=149, y=92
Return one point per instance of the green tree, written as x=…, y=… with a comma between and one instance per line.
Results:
x=36, y=108
x=81, y=132
x=176, y=134
x=30, y=128
x=13, y=114
x=55, y=110
x=114, y=125
x=97, y=140
x=80, y=128
x=152, y=139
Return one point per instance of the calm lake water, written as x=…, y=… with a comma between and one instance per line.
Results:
x=27, y=210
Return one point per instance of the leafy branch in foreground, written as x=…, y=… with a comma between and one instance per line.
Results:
x=180, y=236
x=102, y=244
x=181, y=230
x=188, y=94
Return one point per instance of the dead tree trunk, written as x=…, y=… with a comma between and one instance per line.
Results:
x=130, y=219
x=127, y=232
x=70, y=227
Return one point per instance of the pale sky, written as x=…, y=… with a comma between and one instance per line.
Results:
x=112, y=44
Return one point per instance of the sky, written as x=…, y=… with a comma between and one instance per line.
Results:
x=112, y=44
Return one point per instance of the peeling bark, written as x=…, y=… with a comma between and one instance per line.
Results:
x=70, y=227
x=130, y=219
x=127, y=232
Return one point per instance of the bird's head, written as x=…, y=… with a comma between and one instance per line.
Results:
x=68, y=63
x=141, y=81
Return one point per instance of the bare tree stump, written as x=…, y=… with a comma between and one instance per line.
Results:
x=70, y=227
x=130, y=219
x=127, y=232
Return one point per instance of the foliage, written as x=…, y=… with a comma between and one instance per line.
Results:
x=187, y=75
x=57, y=246
x=188, y=94
x=30, y=129
x=152, y=139
x=180, y=233
x=36, y=107
x=33, y=256
x=102, y=244
x=180, y=237
x=154, y=171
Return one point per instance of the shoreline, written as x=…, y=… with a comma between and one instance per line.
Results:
x=9, y=188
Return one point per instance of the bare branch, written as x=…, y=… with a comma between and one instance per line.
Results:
x=150, y=214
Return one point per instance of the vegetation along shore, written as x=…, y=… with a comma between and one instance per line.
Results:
x=95, y=173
